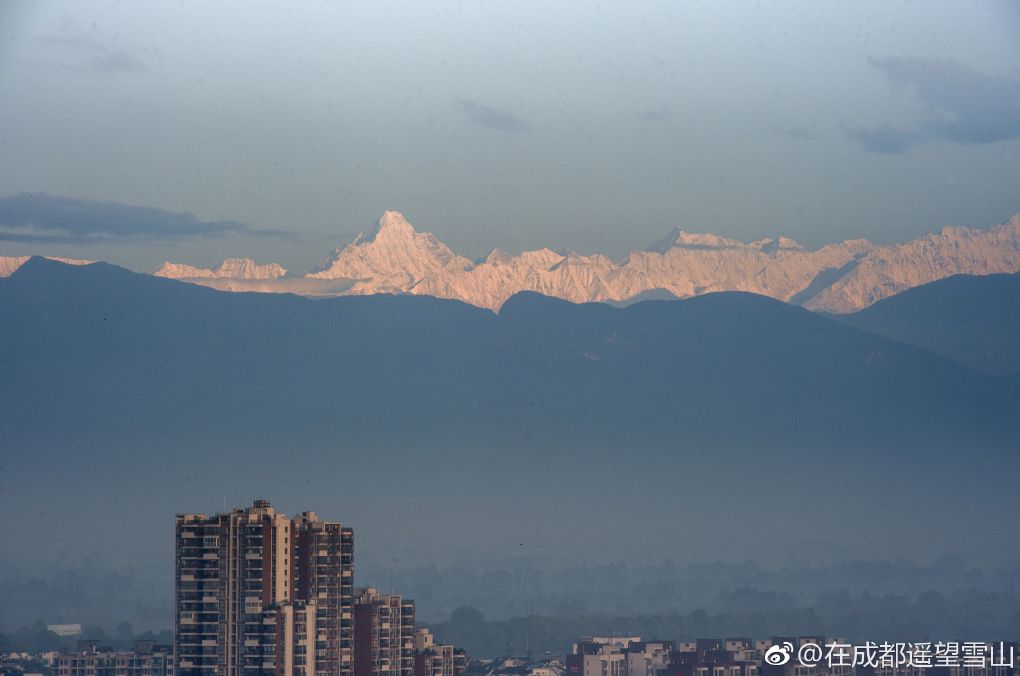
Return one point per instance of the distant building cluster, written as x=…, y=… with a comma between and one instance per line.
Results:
x=261, y=594
x=91, y=659
x=786, y=656
x=386, y=643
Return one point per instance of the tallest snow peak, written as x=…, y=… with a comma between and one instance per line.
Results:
x=392, y=223
x=393, y=219
x=392, y=254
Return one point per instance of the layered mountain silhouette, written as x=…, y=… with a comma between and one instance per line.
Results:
x=396, y=409
x=975, y=320
x=690, y=367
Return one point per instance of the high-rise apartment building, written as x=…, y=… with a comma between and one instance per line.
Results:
x=258, y=594
x=293, y=624
x=384, y=631
x=324, y=572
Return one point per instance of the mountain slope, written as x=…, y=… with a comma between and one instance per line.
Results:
x=886, y=271
x=975, y=320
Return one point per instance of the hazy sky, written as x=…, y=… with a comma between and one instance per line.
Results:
x=585, y=126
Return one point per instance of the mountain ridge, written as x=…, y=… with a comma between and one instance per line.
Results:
x=231, y=268
x=974, y=320
x=841, y=277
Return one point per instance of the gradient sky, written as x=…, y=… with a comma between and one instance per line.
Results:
x=285, y=129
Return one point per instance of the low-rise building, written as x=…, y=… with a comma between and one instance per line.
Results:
x=91, y=659
x=619, y=656
x=434, y=659
x=715, y=657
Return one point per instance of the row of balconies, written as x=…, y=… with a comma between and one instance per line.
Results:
x=204, y=656
x=197, y=531
x=195, y=557
x=200, y=618
x=198, y=645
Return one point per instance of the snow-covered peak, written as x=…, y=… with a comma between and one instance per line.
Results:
x=391, y=249
x=681, y=239
x=392, y=225
x=497, y=257
x=181, y=271
x=774, y=244
x=704, y=241
x=231, y=268
x=246, y=268
x=538, y=258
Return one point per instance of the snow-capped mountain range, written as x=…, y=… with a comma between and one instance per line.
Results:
x=843, y=277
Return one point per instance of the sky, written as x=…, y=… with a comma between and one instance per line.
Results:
x=190, y=131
